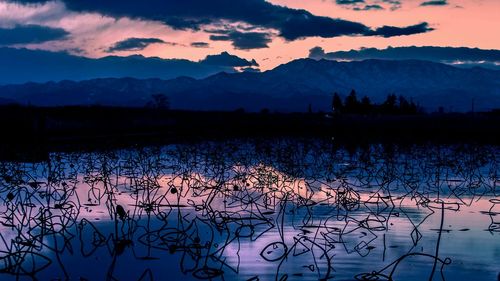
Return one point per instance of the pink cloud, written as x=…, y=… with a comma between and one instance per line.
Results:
x=91, y=34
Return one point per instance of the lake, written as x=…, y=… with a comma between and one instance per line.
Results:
x=266, y=209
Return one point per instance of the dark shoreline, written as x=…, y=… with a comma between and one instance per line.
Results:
x=39, y=130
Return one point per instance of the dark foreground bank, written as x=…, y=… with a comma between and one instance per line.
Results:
x=60, y=128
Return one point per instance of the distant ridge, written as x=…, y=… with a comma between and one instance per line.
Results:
x=463, y=57
x=23, y=65
x=288, y=87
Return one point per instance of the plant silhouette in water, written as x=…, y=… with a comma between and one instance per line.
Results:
x=306, y=200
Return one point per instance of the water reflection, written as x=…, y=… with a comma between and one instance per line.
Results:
x=254, y=210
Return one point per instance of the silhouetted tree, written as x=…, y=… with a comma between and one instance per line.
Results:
x=390, y=105
x=352, y=103
x=415, y=109
x=366, y=106
x=337, y=105
x=406, y=107
x=159, y=101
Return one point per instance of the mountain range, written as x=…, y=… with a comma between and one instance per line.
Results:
x=23, y=65
x=289, y=87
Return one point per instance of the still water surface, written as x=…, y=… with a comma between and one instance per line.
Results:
x=254, y=210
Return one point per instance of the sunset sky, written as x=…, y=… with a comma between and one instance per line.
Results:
x=272, y=32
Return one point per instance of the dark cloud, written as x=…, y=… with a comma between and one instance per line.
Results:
x=200, y=44
x=28, y=34
x=190, y=14
x=244, y=40
x=134, y=44
x=369, y=8
x=369, y=5
x=181, y=23
x=391, y=31
x=318, y=53
x=303, y=26
x=435, y=3
x=250, y=69
x=349, y=2
x=395, y=4
x=226, y=59
x=450, y=55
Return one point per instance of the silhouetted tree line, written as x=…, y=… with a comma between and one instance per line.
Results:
x=393, y=105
